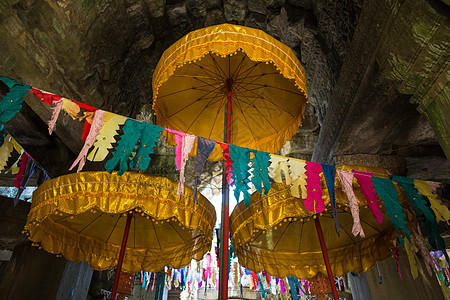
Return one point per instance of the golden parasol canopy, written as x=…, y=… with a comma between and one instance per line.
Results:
x=82, y=216
x=277, y=234
x=195, y=76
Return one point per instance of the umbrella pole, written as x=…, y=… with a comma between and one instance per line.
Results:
x=325, y=258
x=223, y=259
x=121, y=255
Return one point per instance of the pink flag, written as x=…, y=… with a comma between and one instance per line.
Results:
x=313, y=201
x=364, y=180
x=178, y=147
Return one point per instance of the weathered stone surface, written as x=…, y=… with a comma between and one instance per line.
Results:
x=234, y=10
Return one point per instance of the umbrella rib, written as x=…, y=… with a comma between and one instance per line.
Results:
x=215, y=119
x=200, y=113
x=348, y=234
x=91, y=222
x=219, y=68
x=205, y=70
x=249, y=70
x=280, y=237
x=267, y=120
x=300, y=238
x=201, y=98
x=267, y=100
x=246, y=121
x=114, y=228
x=371, y=226
x=181, y=91
x=156, y=235
x=177, y=232
x=258, y=75
x=274, y=87
x=238, y=69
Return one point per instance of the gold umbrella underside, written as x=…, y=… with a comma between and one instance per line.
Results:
x=267, y=82
x=277, y=234
x=82, y=216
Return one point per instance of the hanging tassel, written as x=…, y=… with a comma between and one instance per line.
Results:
x=188, y=143
x=368, y=190
x=380, y=278
x=397, y=261
x=178, y=147
x=346, y=182
x=29, y=171
x=22, y=168
x=95, y=128
x=56, y=109
x=204, y=149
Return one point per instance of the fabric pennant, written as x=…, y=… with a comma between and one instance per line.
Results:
x=279, y=165
x=330, y=173
x=95, y=128
x=419, y=204
x=260, y=171
x=204, y=149
x=178, y=147
x=5, y=151
x=347, y=187
x=386, y=190
x=150, y=134
x=428, y=259
x=22, y=167
x=241, y=172
x=411, y=259
x=45, y=97
x=188, y=143
x=314, y=201
x=11, y=102
x=105, y=138
x=441, y=211
x=29, y=171
x=228, y=162
x=298, y=177
x=368, y=190
x=132, y=132
x=56, y=109
x=3, y=133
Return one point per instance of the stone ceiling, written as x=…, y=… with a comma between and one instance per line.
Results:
x=371, y=67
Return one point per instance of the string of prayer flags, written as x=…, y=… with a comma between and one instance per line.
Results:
x=420, y=205
x=93, y=132
x=147, y=141
x=241, y=172
x=56, y=109
x=368, y=190
x=330, y=174
x=45, y=97
x=105, y=138
x=346, y=181
x=314, y=201
x=260, y=171
x=188, y=143
x=441, y=211
x=204, y=149
x=298, y=178
x=386, y=190
x=11, y=102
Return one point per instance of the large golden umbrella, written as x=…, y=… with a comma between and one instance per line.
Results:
x=83, y=217
x=277, y=234
x=234, y=84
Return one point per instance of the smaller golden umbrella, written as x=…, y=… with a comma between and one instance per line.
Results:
x=276, y=233
x=83, y=216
